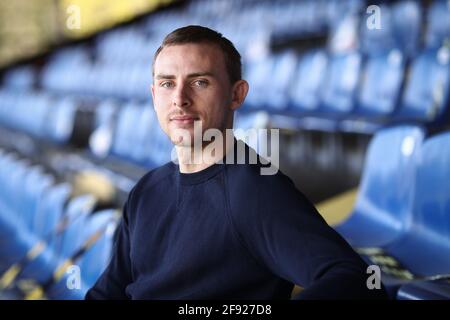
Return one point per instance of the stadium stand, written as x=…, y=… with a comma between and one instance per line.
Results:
x=316, y=70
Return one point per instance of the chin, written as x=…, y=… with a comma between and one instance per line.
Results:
x=182, y=140
x=181, y=143
x=184, y=137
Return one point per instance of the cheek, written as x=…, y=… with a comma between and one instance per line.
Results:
x=161, y=98
x=216, y=101
x=162, y=117
x=213, y=109
x=160, y=101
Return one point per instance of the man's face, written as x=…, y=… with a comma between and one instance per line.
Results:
x=191, y=84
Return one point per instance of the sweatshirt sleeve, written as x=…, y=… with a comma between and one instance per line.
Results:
x=112, y=283
x=284, y=232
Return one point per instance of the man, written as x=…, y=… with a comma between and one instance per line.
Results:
x=211, y=229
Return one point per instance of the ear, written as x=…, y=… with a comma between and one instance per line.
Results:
x=239, y=92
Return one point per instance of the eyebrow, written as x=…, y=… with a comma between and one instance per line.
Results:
x=191, y=75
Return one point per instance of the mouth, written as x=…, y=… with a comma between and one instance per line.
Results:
x=183, y=120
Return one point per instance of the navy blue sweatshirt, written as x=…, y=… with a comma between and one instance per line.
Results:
x=227, y=232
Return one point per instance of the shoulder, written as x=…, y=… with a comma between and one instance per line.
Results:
x=266, y=205
x=253, y=172
x=246, y=183
x=250, y=187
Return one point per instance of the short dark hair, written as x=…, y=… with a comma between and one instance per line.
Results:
x=200, y=34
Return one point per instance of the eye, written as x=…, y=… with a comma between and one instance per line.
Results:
x=166, y=84
x=201, y=83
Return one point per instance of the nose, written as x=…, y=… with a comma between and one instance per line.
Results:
x=181, y=97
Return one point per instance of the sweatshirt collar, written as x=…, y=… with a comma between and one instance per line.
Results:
x=205, y=174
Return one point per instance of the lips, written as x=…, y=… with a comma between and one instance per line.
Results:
x=183, y=118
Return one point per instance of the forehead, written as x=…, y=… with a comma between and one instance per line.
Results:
x=191, y=57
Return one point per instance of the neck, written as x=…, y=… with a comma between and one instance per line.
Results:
x=197, y=158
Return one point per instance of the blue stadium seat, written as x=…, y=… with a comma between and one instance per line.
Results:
x=42, y=267
x=105, y=113
x=15, y=245
x=257, y=73
x=386, y=51
x=426, y=96
x=136, y=136
x=296, y=19
x=20, y=78
x=429, y=232
x=92, y=263
x=379, y=94
x=61, y=120
x=15, y=111
x=400, y=29
x=338, y=92
x=128, y=118
x=20, y=169
x=144, y=141
x=77, y=211
x=438, y=24
x=101, y=140
x=95, y=260
x=35, y=185
x=382, y=210
x=373, y=40
x=424, y=251
x=137, y=80
x=424, y=290
x=305, y=92
x=18, y=205
x=340, y=84
x=48, y=216
x=336, y=9
x=407, y=26
x=6, y=162
x=381, y=87
x=65, y=72
x=9, y=225
x=281, y=79
x=50, y=211
x=81, y=227
x=37, y=120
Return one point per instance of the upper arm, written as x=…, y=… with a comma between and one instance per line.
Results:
x=284, y=231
